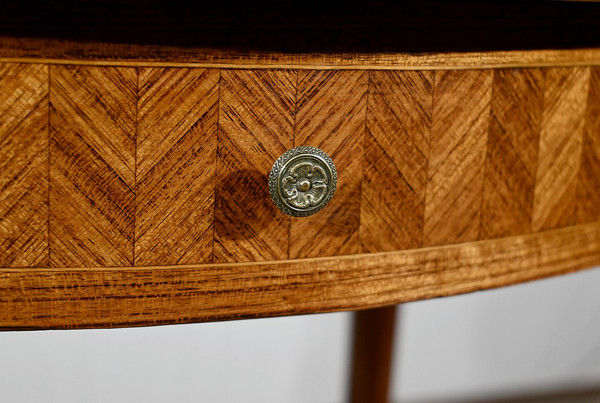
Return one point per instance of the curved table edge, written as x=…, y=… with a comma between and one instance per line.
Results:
x=54, y=298
x=54, y=51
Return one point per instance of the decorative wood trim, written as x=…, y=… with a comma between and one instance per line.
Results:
x=139, y=296
x=53, y=51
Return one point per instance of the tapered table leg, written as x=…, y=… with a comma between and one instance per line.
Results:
x=372, y=354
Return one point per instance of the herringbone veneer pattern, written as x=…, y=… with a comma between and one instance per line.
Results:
x=456, y=156
x=559, y=157
x=512, y=147
x=395, y=166
x=23, y=165
x=176, y=152
x=117, y=166
x=588, y=189
x=331, y=115
x=92, y=165
x=256, y=126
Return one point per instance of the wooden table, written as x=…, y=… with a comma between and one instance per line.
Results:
x=133, y=186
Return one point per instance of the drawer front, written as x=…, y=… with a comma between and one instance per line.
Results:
x=124, y=166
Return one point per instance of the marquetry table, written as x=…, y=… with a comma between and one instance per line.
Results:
x=135, y=193
x=134, y=179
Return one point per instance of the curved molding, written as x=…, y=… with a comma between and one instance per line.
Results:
x=52, y=51
x=141, y=296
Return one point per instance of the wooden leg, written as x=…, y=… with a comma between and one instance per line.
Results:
x=372, y=354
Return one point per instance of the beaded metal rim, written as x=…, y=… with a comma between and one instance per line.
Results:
x=274, y=186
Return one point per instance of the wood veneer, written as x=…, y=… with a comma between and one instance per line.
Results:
x=91, y=159
x=256, y=127
x=460, y=121
x=24, y=165
x=396, y=151
x=98, y=53
x=168, y=166
x=177, y=115
x=117, y=167
x=331, y=115
x=512, y=152
x=46, y=298
x=560, y=147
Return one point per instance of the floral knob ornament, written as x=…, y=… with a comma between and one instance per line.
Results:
x=302, y=181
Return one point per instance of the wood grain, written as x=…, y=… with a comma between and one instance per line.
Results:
x=176, y=157
x=92, y=165
x=53, y=51
x=512, y=148
x=136, y=296
x=456, y=156
x=372, y=351
x=23, y=165
x=91, y=156
x=331, y=115
x=560, y=145
x=395, y=160
x=588, y=189
x=256, y=126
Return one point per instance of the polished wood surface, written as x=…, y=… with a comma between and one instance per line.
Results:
x=177, y=127
x=45, y=298
x=560, y=147
x=68, y=52
x=588, y=198
x=119, y=176
x=151, y=166
x=256, y=126
x=512, y=152
x=373, y=345
x=457, y=144
x=91, y=158
x=24, y=165
x=331, y=113
x=396, y=150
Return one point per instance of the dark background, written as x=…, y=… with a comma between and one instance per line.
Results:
x=377, y=26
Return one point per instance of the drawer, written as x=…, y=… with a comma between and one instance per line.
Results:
x=120, y=180
x=119, y=166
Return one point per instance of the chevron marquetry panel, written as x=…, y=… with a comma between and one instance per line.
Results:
x=512, y=147
x=565, y=94
x=23, y=165
x=176, y=153
x=92, y=165
x=456, y=156
x=116, y=166
x=331, y=115
x=588, y=190
x=395, y=160
x=256, y=126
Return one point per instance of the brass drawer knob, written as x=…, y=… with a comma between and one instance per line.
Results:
x=302, y=181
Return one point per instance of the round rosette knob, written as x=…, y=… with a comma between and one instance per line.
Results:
x=302, y=181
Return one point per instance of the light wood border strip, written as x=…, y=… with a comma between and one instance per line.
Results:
x=53, y=51
x=115, y=297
